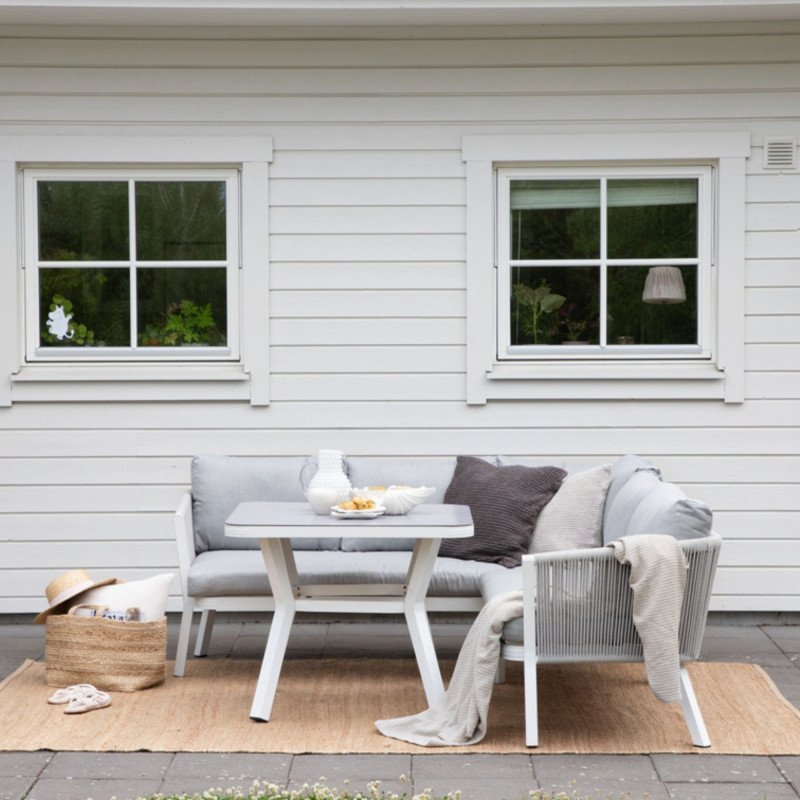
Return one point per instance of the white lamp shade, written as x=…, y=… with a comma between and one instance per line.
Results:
x=663, y=286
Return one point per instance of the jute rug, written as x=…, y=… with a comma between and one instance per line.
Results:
x=330, y=707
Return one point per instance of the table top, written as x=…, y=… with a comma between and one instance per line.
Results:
x=297, y=520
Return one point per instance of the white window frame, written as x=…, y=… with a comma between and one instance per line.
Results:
x=244, y=374
x=705, y=311
x=32, y=264
x=715, y=373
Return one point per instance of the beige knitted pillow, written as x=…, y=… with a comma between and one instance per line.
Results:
x=573, y=519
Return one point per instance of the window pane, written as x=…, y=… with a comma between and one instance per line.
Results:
x=634, y=320
x=182, y=306
x=180, y=221
x=83, y=221
x=95, y=304
x=554, y=305
x=555, y=219
x=652, y=218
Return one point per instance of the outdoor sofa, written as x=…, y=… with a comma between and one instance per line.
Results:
x=578, y=603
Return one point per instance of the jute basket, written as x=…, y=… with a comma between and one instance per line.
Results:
x=114, y=656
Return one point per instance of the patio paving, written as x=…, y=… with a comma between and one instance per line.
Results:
x=101, y=776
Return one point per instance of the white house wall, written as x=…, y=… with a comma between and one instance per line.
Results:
x=367, y=303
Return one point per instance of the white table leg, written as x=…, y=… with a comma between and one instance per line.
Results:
x=279, y=561
x=419, y=576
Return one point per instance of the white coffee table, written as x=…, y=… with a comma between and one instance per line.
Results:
x=275, y=524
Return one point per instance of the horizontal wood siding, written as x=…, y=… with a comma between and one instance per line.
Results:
x=367, y=308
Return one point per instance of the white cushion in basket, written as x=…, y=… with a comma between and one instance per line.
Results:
x=573, y=519
x=148, y=595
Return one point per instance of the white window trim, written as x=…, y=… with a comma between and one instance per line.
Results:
x=721, y=377
x=249, y=150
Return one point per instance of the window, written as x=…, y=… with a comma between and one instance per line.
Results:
x=630, y=244
x=133, y=221
x=612, y=263
x=137, y=264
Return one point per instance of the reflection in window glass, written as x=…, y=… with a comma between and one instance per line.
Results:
x=555, y=219
x=652, y=218
x=555, y=305
x=181, y=306
x=84, y=307
x=633, y=320
x=180, y=220
x=83, y=220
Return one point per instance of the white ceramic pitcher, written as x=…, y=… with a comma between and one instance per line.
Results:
x=329, y=477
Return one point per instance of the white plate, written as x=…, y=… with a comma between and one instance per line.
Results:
x=366, y=513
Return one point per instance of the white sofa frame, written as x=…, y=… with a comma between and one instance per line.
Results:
x=208, y=606
x=578, y=607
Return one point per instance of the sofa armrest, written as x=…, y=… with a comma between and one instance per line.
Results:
x=184, y=538
x=584, y=604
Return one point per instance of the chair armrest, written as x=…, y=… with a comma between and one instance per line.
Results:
x=184, y=538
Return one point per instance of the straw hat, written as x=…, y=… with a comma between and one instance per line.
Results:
x=65, y=587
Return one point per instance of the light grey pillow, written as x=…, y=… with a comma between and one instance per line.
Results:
x=621, y=472
x=220, y=483
x=573, y=519
x=666, y=509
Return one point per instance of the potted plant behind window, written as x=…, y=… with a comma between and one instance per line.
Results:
x=571, y=329
x=185, y=323
x=540, y=303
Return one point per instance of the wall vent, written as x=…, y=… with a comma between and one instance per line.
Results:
x=780, y=153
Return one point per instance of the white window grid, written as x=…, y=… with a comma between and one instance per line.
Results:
x=703, y=263
x=31, y=263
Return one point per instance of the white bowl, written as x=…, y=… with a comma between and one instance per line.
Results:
x=401, y=499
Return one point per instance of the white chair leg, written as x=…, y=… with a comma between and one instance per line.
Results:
x=500, y=675
x=183, y=637
x=691, y=711
x=207, y=617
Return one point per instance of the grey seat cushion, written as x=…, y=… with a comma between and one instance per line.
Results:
x=220, y=483
x=371, y=471
x=241, y=572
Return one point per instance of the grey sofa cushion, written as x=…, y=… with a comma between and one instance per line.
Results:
x=220, y=483
x=617, y=515
x=666, y=509
x=505, y=503
x=241, y=572
x=573, y=519
x=370, y=471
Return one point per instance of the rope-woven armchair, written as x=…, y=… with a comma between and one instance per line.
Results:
x=579, y=607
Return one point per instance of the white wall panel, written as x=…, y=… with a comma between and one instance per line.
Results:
x=367, y=248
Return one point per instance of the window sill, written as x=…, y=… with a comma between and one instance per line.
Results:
x=109, y=382
x=642, y=380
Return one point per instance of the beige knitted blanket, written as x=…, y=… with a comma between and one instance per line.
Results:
x=658, y=578
x=460, y=716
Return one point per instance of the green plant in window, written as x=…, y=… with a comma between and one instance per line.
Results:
x=537, y=304
x=61, y=327
x=185, y=323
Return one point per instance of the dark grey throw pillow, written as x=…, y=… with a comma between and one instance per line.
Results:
x=505, y=504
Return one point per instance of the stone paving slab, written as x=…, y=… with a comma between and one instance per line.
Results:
x=599, y=774
x=81, y=789
x=466, y=766
x=481, y=788
x=14, y=764
x=789, y=767
x=336, y=768
x=150, y=766
x=197, y=786
x=674, y=768
x=731, y=791
x=272, y=767
x=15, y=788
x=787, y=637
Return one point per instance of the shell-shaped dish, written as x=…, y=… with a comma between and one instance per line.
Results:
x=370, y=493
x=401, y=499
